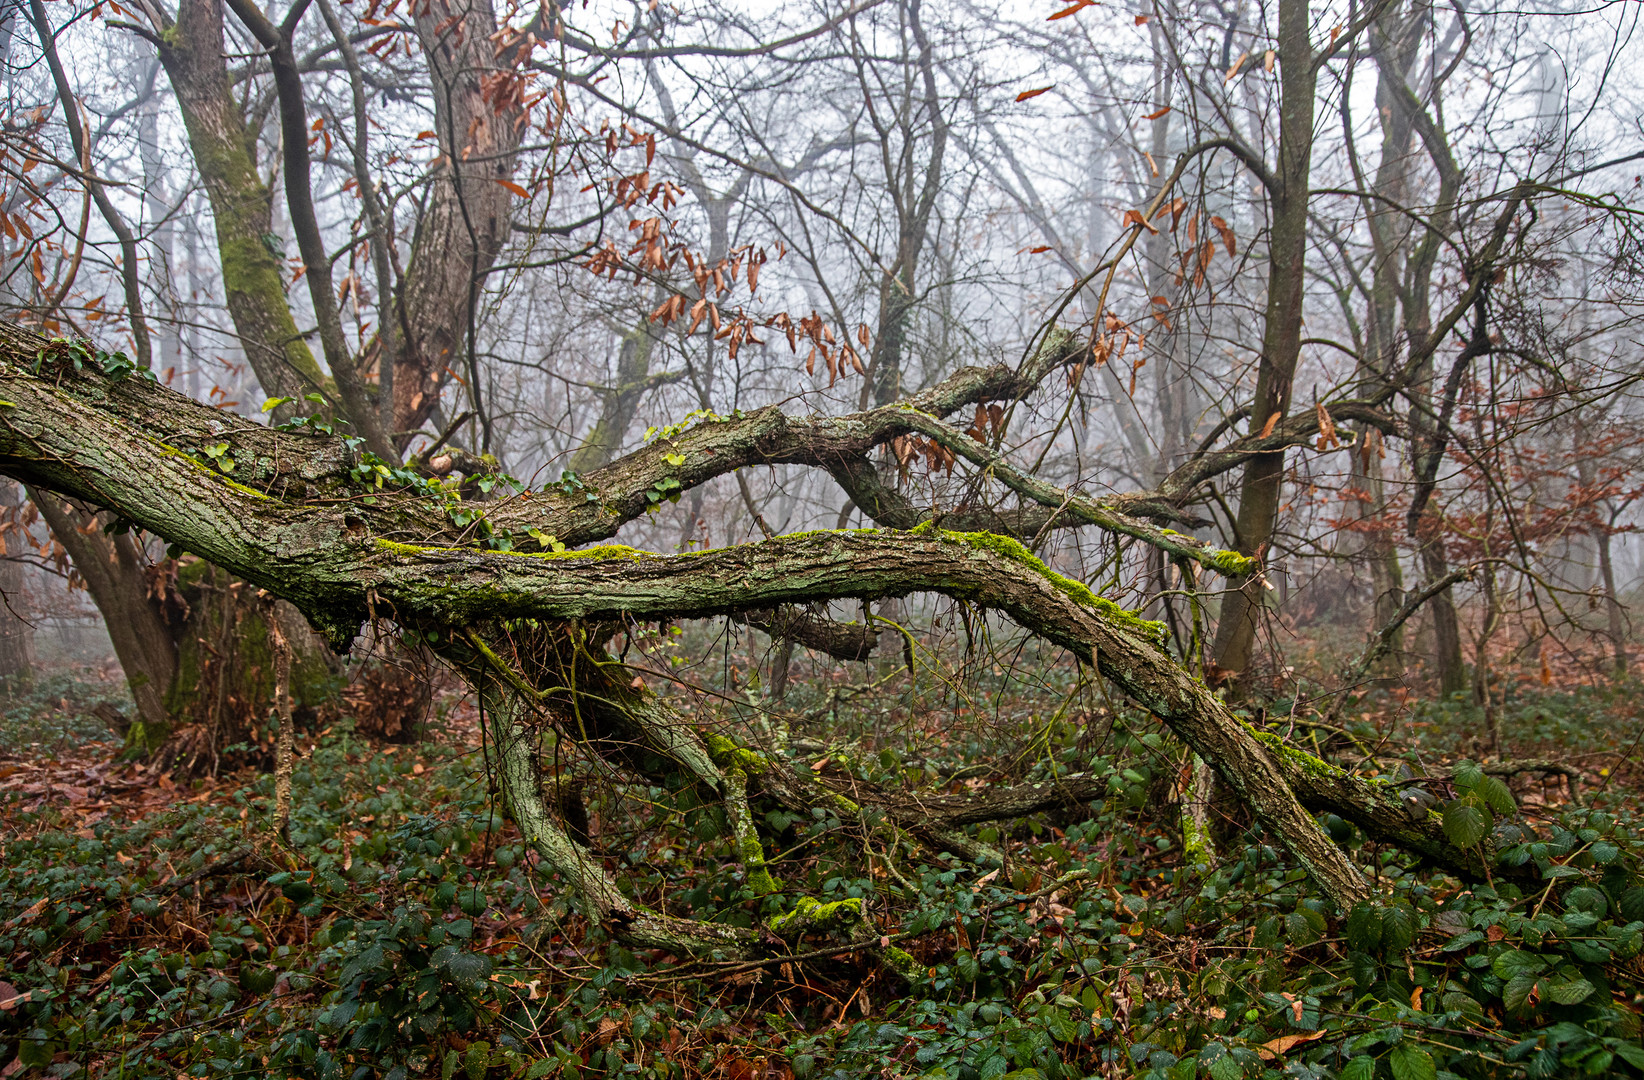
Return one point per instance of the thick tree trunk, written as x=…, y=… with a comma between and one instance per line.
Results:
x=115, y=576
x=192, y=51
x=194, y=644
x=466, y=222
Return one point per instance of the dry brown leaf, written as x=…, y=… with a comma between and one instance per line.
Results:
x=1273, y=1048
x=1134, y=217
x=1328, y=439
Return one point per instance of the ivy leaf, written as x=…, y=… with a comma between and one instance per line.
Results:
x=1495, y=795
x=1362, y=1067
x=1398, y=928
x=1464, y=940
x=1587, y=899
x=1464, y=824
x=1517, y=991
x=1569, y=993
x=1303, y=926
x=1061, y=1025
x=1516, y=962
x=1364, y=927
x=1220, y=1064
x=1410, y=1062
x=1465, y=1004
x=468, y=970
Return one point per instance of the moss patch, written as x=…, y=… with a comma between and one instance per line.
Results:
x=727, y=754
x=1231, y=563
x=1007, y=548
x=812, y=916
x=759, y=876
x=1196, y=842
x=1307, y=763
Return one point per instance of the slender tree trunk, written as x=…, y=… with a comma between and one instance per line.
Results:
x=284, y=736
x=1447, y=658
x=1618, y=616
x=1602, y=531
x=1261, y=487
x=16, y=632
x=621, y=401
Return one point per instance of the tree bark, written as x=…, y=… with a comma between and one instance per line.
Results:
x=16, y=632
x=1261, y=487
x=289, y=522
x=466, y=223
x=112, y=569
x=192, y=51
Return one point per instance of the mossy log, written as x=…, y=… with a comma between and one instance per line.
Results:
x=291, y=521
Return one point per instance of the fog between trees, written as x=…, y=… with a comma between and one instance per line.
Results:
x=1232, y=360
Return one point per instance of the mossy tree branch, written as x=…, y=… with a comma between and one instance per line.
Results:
x=293, y=525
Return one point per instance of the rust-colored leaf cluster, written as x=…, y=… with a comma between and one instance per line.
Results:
x=909, y=448
x=988, y=424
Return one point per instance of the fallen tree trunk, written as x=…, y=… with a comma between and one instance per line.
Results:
x=308, y=519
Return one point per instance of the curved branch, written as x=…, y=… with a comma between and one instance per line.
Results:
x=309, y=538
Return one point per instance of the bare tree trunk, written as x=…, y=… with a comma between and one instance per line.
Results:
x=1602, y=532
x=1618, y=616
x=16, y=632
x=113, y=571
x=1452, y=669
x=1261, y=487
x=621, y=400
x=192, y=52
x=283, y=752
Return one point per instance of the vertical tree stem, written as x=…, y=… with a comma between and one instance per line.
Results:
x=283, y=750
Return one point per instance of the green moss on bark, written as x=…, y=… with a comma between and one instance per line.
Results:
x=1013, y=550
x=811, y=916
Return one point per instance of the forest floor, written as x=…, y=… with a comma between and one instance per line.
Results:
x=151, y=925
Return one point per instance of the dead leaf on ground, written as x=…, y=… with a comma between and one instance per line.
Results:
x=1274, y=1048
